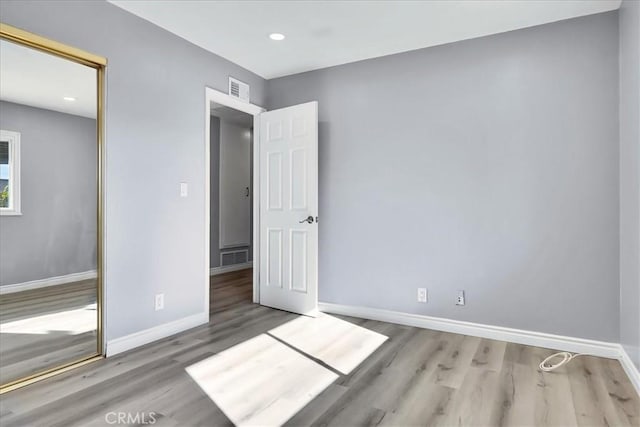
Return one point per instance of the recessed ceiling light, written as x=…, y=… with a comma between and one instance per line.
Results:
x=69, y=98
x=276, y=36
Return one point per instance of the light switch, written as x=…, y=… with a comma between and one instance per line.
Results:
x=184, y=189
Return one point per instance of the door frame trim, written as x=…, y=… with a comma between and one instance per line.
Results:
x=212, y=95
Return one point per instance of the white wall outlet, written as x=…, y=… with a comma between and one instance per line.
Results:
x=159, y=302
x=422, y=294
x=184, y=189
x=460, y=298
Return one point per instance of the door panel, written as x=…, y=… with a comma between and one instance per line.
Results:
x=274, y=181
x=298, y=277
x=289, y=195
x=274, y=258
x=299, y=187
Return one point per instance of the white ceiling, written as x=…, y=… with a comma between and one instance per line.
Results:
x=321, y=34
x=37, y=79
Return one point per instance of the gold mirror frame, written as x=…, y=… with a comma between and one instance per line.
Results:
x=25, y=38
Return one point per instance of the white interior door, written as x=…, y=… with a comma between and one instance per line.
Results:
x=289, y=208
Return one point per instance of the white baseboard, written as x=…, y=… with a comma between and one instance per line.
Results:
x=156, y=333
x=229, y=268
x=49, y=281
x=519, y=336
x=630, y=368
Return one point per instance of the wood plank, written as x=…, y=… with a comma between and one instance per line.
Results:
x=473, y=402
x=453, y=368
x=490, y=354
x=590, y=398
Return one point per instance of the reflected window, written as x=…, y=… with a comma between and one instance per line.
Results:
x=9, y=173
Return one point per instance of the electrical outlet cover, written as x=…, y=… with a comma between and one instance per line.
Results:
x=422, y=294
x=159, y=302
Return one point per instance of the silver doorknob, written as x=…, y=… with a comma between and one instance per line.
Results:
x=308, y=219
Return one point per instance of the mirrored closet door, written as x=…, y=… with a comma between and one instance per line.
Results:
x=50, y=298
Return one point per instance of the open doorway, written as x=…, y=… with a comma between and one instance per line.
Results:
x=283, y=195
x=231, y=243
x=231, y=201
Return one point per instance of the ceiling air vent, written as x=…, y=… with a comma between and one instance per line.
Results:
x=238, y=89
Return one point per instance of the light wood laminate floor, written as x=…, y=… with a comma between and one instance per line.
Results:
x=415, y=377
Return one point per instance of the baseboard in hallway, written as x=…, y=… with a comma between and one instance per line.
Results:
x=229, y=268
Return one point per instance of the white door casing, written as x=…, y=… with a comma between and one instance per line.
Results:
x=213, y=96
x=288, y=196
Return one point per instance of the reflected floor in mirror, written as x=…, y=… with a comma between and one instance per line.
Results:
x=47, y=327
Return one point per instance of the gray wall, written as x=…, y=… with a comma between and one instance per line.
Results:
x=56, y=233
x=489, y=165
x=155, y=134
x=214, y=250
x=630, y=179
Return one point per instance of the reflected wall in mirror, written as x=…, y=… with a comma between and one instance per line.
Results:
x=49, y=160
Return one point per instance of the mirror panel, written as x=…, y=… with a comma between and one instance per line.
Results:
x=49, y=193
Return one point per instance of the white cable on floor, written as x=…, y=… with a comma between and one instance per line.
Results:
x=566, y=358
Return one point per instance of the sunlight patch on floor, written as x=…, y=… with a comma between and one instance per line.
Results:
x=71, y=322
x=261, y=381
x=266, y=380
x=338, y=343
